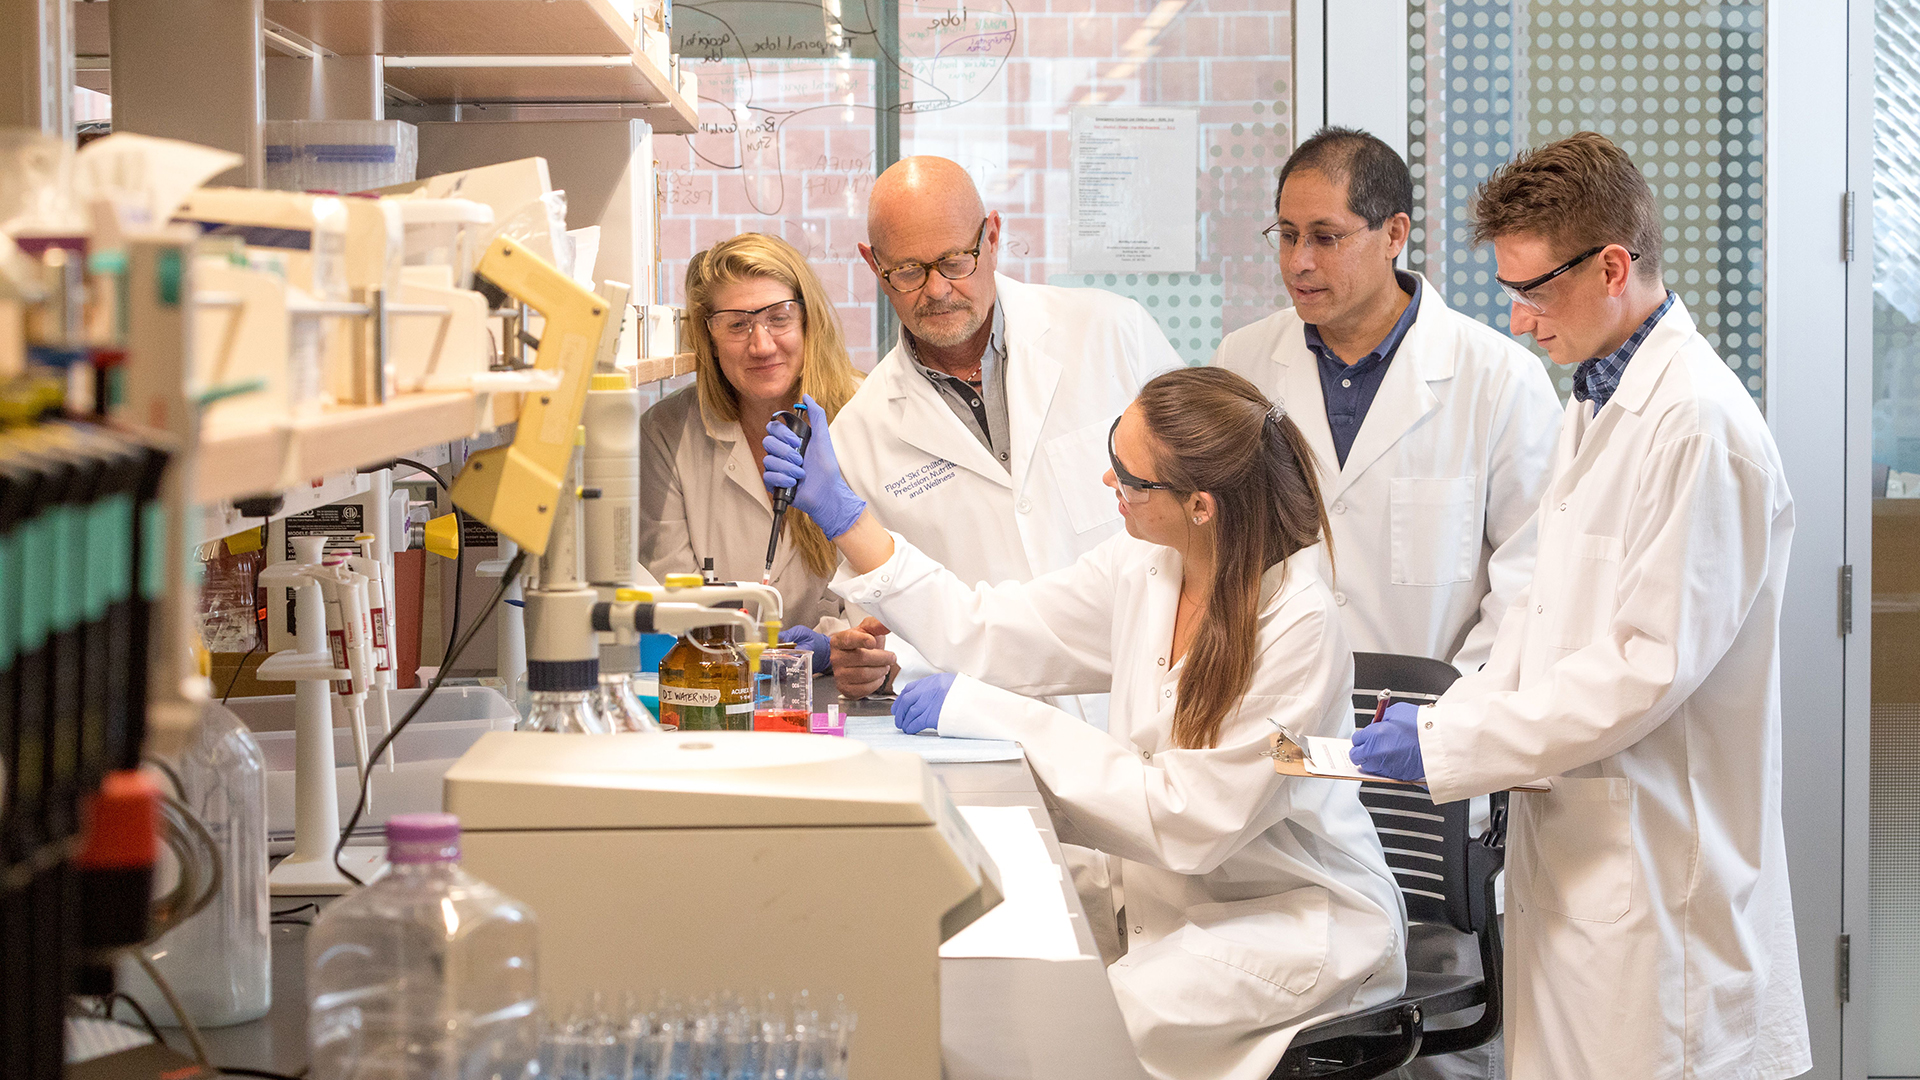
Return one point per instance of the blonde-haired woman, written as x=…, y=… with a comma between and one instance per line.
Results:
x=764, y=332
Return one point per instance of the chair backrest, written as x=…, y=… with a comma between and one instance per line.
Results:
x=1427, y=845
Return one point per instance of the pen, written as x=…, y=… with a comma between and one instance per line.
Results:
x=1380, y=704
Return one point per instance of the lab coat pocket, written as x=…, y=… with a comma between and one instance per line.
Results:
x=1435, y=534
x=1581, y=840
x=1280, y=940
x=1079, y=461
x=1590, y=575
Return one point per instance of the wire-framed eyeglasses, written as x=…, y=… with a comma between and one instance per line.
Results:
x=1281, y=237
x=1132, y=488
x=1518, y=291
x=912, y=277
x=778, y=319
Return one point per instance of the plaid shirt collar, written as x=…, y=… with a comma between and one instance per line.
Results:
x=1595, y=380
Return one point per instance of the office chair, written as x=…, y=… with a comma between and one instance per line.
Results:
x=1446, y=877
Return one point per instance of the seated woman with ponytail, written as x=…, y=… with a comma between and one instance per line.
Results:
x=1254, y=903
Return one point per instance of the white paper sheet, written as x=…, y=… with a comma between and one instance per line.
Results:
x=879, y=733
x=1334, y=758
x=1134, y=200
x=1032, y=922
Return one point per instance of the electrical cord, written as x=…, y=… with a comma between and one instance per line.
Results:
x=146, y=1021
x=459, y=577
x=446, y=666
x=264, y=1074
x=242, y=666
x=173, y=1002
x=411, y=464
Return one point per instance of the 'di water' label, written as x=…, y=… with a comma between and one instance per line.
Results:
x=690, y=708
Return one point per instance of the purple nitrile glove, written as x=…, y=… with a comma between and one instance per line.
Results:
x=818, y=488
x=1390, y=746
x=918, y=707
x=815, y=642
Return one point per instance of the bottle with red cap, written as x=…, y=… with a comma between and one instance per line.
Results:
x=427, y=974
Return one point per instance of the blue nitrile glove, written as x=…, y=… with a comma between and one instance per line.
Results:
x=1390, y=746
x=818, y=488
x=815, y=642
x=918, y=707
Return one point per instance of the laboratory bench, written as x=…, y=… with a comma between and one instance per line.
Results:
x=1000, y=1018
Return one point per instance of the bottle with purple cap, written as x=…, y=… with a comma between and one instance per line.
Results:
x=426, y=974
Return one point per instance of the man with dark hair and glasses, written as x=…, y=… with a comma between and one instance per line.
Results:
x=1433, y=433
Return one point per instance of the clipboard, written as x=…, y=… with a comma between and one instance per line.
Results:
x=1291, y=759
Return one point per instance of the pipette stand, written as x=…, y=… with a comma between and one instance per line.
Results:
x=310, y=870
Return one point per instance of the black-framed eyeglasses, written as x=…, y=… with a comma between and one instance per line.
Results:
x=912, y=277
x=778, y=318
x=1517, y=290
x=1132, y=487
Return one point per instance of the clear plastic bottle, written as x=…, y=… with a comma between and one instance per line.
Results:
x=219, y=963
x=566, y=711
x=427, y=974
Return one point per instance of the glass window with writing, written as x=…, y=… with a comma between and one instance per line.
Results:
x=791, y=100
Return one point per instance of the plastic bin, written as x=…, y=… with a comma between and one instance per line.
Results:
x=453, y=721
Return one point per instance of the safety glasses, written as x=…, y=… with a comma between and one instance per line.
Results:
x=1132, y=488
x=1518, y=291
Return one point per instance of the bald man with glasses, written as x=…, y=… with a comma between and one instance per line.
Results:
x=981, y=436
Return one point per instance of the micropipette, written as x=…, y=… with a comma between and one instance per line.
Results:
x=796, y=421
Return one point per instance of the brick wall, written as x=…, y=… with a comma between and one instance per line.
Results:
x=788, y=144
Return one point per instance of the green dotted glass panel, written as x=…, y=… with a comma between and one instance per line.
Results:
x=1679, y=84
x=1187, y=307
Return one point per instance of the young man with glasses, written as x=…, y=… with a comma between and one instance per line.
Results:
x=1433, y=435
x=1649, y=926
x=981, y=436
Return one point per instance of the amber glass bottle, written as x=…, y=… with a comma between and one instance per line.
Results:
x=704, y=684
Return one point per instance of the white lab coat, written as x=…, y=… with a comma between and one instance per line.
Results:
x=1649, y=929
x=1432, y=515
x=1076, y=358
x=1255, y=903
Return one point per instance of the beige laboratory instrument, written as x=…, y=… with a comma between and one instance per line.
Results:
x=704, y=862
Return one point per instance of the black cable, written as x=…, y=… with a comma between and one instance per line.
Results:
x=145, y=1020
x=460, y=646
x=296, y=909
x=242, y=666
x=459, y=579
x=411, y=464
x=264, y=1074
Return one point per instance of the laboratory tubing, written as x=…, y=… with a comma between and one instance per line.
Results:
x=218, y=962
x=783, y=691
x=427, y=974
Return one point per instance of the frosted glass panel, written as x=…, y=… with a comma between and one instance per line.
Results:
x=1894, y=892
x=1679, y=85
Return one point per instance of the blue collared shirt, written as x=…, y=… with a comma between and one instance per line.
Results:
x=1349, y=389
x=1595, y=380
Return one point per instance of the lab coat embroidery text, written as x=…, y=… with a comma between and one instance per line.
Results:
x=923, y=479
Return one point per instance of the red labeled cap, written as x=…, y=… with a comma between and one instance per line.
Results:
x=122, y=824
